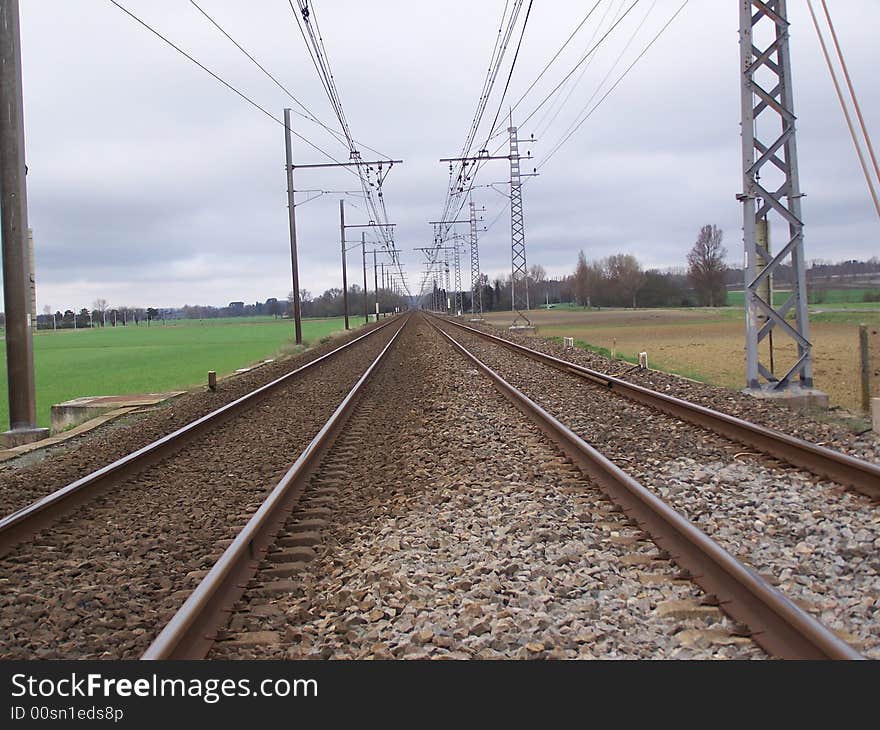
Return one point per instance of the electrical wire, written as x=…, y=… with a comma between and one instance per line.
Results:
x=608, y=73
x=306, y=112
x=615, y=84
x=551, y=61
x=218, y=78
x=580, y=62
x=870, y=182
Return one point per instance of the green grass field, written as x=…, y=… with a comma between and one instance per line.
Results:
x=819, y=299
x=125, y=360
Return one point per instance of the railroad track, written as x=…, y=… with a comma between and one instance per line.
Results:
x=314, y=593
x=91, y=569
x=809, y=537
x=856, y=473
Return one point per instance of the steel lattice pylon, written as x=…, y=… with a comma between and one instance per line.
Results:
x=456, y=252
x=767, y=96
x=446, y=284
x=519, y=282
x=476, y=289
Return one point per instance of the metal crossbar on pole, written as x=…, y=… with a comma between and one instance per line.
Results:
x=771, y=193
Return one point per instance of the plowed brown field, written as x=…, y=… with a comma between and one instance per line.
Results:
x=710, y=345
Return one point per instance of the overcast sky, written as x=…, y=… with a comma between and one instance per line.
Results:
x=150, y=184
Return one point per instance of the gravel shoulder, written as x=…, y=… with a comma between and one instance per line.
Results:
x=815, y=539
x=817, y=428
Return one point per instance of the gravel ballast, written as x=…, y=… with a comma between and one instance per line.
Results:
x=29, y=478
x=828, y=432
x=443, y=525
x=814, y=538
x=105, y=579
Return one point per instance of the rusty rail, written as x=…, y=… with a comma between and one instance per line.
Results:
x=29, y=520
x=861, y=475
x=192, y=630
x=775, y=623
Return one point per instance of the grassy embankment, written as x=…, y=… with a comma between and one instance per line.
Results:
x=125, y=360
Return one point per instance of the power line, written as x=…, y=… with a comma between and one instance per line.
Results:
x=578, y=64
x=552, y=60
x=310, y=31
x=539, y=124
x=615, y=84
x=218, y=78
x=512, y=67
x=608, y=72
x=871, y=190
x=495, y=62
x=308, y=114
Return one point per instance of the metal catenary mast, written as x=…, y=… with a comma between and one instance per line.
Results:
x=771, y=193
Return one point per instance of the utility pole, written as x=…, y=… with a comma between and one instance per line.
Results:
x=14, y=230
x=291, y=214
x=779, y=202
x=519, y=279
x=476, y=289
x=344, y=273
x=519, y=283
x=364, y=255
x=432, y=254
x=356, y=161
x=376, y=283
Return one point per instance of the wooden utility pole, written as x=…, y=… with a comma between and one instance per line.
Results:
x=376, y=283
x=364, y=256
x=344, y=272
x=865, y=367
x=291, y=216
x=14, y=231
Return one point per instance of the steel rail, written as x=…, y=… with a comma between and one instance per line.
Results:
x=861, y=475
x=775, y=623
x=27, y=521
x=192, y=630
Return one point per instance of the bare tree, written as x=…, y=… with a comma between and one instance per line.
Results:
x=706, y=266
x=100, y=307
x=581, y=281
x=626, y=273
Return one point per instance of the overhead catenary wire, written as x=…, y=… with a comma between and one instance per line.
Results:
x=218, y=78
x=512, y=67
x=579, y=63
x=310, y=31
x=852, y=90
x=498, y=53
x=551, y=61
x=615, y=84
x=870, y=182
x=569, y=134
x=306, y=113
